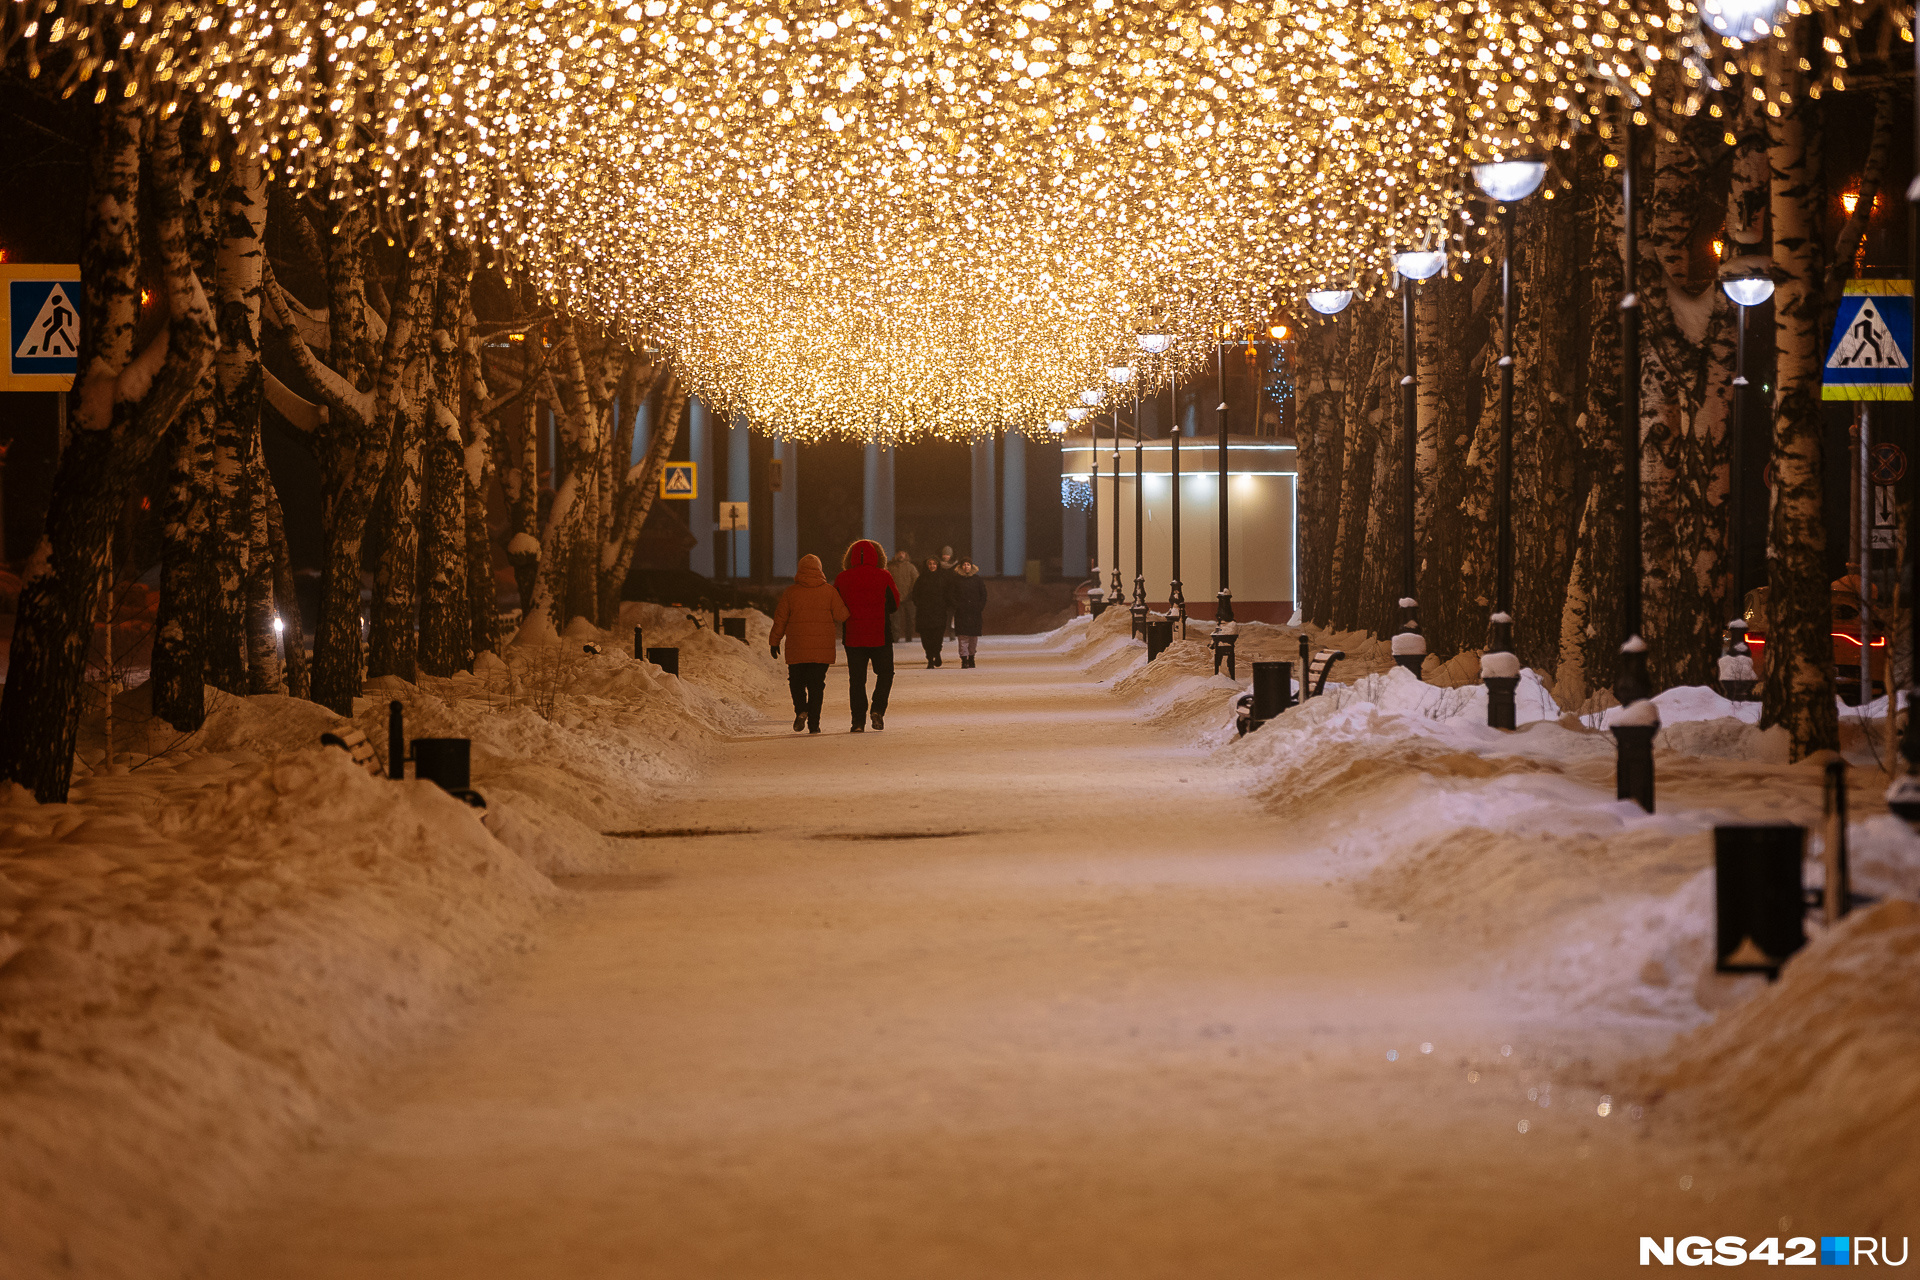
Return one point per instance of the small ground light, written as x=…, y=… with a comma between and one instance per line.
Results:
x=278, y=626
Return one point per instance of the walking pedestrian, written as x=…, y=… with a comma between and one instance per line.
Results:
x=904, y=576
x=871, y=599
x=968, y=594
x=930, y=609
x=806, y=616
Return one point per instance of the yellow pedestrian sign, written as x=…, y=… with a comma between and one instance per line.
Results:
x=680, y=481
x=40, y=316
x=1871, y=356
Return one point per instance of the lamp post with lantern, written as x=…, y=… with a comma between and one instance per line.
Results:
x=1747, y=289
x=1078, y=414
x=1506, y=183
x=1156, y=341
x=1119, y=375
x=1409, y=646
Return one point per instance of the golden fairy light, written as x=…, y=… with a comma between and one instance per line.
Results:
x=931, y=215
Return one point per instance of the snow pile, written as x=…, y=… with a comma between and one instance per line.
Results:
x=1818, y=1069
x=183, y=984
x=223, y=928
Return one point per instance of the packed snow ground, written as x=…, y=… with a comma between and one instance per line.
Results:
x=1055, y=977
x=207, y=948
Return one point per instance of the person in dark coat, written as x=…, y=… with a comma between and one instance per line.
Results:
x=872, y=599
x=968, y=597
x=930, y=609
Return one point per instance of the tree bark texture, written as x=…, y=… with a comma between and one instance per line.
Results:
x=1799, y=679
x=125, y=401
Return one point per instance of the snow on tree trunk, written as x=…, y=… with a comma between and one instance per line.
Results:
x=125, y=400
x=1799, y=679
x=187, y=574
x=192, y=557
x=1321, y=364
x=1363, y=406
x=238, y=378
x=445, y=623
x=392, y=638
x=1591, y=630
x=1447, y=336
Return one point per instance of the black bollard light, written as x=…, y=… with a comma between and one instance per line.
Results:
x=1737, y=676
x=1159, y=636
x=639, y=645
x=1272, y=690
x=396, y=740
x=447, y=763
x=668, y=660
x=1759, y=904
x=1837, y=898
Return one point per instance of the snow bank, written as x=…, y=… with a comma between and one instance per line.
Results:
x=223, y=929
x=1817, y=1071
x=1590, y=909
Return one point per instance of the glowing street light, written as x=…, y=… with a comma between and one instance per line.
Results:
x=1506, y=183
x=1329, y=302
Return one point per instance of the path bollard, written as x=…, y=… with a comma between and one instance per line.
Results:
x=396, y=741
x=1837, y=898
x=1272, y=692
x=668, y=660
x=1759, y=905
x=1159, y=636
x=447, y=763
x=639, y=646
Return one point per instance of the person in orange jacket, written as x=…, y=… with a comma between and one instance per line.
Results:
x=806, y=618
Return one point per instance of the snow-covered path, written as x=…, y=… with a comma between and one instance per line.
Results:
x=1019, y=987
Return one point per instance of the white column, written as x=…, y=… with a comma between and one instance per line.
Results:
x=1013, y=505
x=699, y=512
x=876, y=516
x=786, y=511
x=739, y=487
x=985, y=544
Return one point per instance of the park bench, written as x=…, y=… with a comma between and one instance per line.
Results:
x=1313, y=683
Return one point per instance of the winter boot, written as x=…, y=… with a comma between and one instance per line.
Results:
x=878, y=723
x=799, y=721
x=858, y=727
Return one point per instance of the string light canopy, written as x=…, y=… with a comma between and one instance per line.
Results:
x=927, y=216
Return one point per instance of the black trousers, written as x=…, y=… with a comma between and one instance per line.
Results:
x=858, y=656
x=931, y=642
x=807, y=682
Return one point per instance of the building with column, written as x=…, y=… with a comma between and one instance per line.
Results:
x=699, y=512
x=876, y=507
x=1262, y=510
x=984, y=550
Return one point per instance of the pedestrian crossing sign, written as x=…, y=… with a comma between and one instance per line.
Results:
x=40, y=316
x=681, y=480
x=1871, y=357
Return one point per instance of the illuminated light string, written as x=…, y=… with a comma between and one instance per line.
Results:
x=928, y=217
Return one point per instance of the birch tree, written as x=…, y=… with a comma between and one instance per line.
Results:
x=125, y=397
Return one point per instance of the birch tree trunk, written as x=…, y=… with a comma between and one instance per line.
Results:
x=1366, y=365
x=392, y=637
x=1799, y=679
x=237, y=461
x=124, y=403
x=445, y=622
x=634, y=517
x=1320, y=382
x=1591, y=627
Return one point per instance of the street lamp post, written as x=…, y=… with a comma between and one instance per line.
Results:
x=1093, y=501
x=1636, y=720
x=1409, y=646
x=1223, y=608
x=1506, y=182
x=1119, y=375
x=1156, y=342
x=1747, y=289
x=1139, y=523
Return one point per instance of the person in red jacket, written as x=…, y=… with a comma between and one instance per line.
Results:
x=868, y=590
